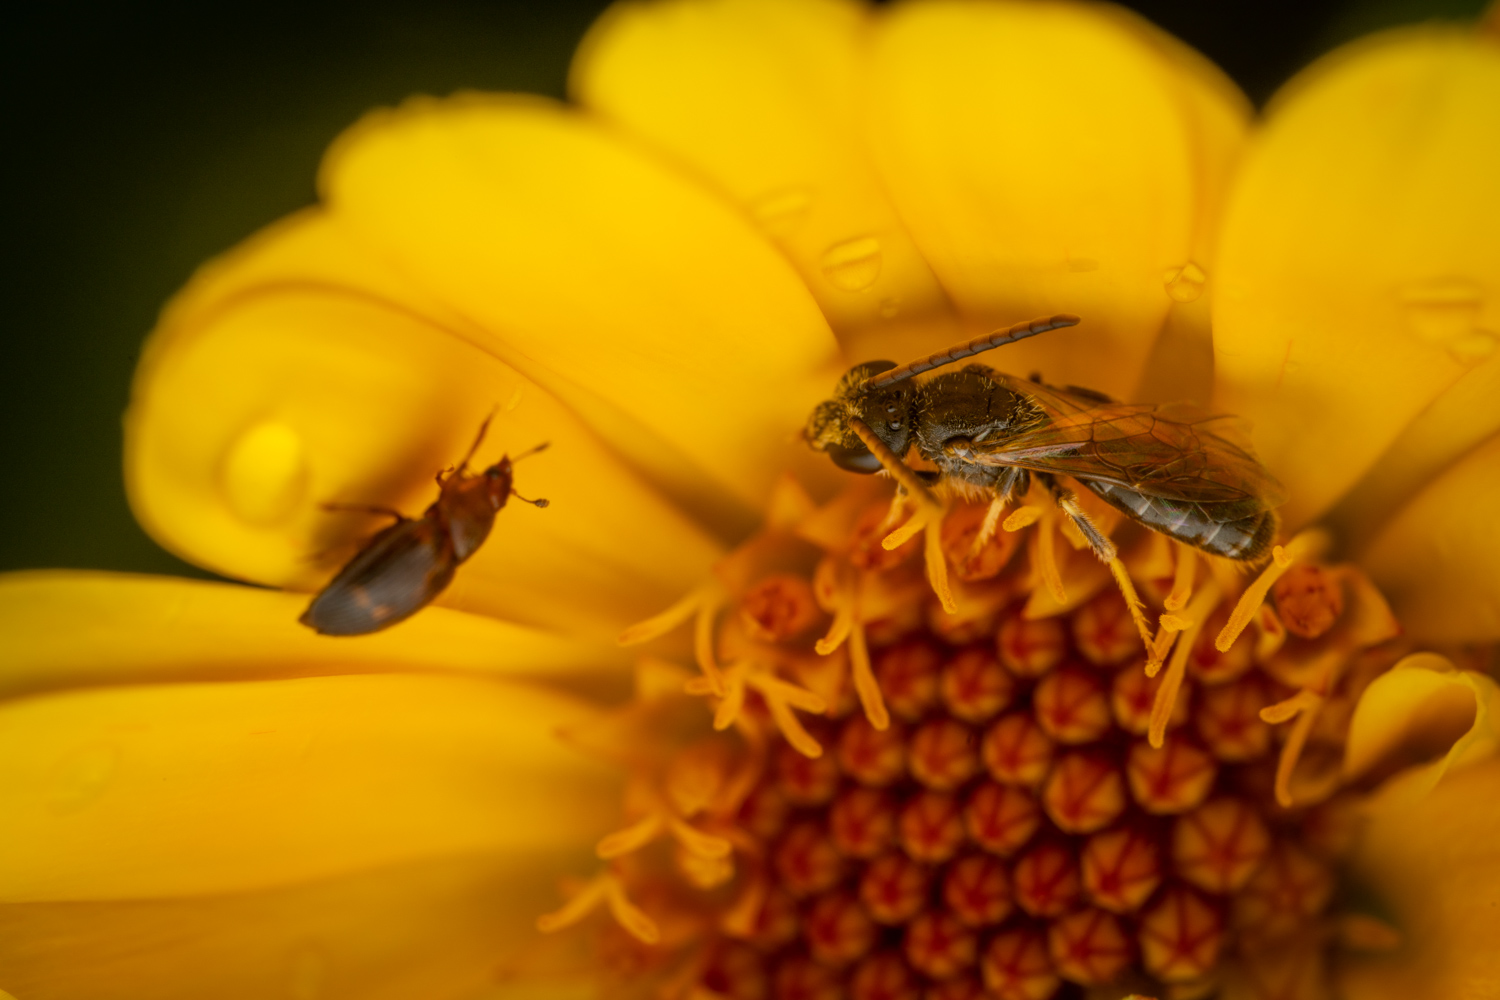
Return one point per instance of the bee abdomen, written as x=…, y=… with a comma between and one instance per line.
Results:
x=1212, y=527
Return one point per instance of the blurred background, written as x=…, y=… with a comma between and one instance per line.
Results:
x=141, y=138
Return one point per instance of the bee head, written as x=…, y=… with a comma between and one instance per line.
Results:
x=887, y=412
x=497, y=480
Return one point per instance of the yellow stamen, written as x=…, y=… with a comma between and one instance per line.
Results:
x=1175, y=623
x=703, y=640
x=604, y=889
x=865, y=684
x=891, y=462
x=845, y=593
x=937, y=566
x=771, y=686
x=906, y=532
x=733, y=700
x=1306, y=544
x=1182, y=578
x=1044, y=559
x=1023, y=517
x=632, y=838
x=697, y=842
x=791, y=727
x=1272, y=634
x=740, y=919
x=1166, y=696
x=659, y=625
x=1308, y=705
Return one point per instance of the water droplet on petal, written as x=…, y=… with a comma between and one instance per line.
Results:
x=782, y=212
x=890, y=308
x=307, y=973
x=514, y=400
x=1446, y=313
x=853, y=266
x=1185, y=283
x=82, y=777
x=1082, y=264
x=264, y=475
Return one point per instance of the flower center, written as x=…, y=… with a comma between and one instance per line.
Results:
x=1001, y=793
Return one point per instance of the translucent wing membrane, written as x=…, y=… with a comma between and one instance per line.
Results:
x=392, y=578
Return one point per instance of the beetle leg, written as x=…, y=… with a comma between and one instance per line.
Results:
x=1102, y=546
x=366, y=508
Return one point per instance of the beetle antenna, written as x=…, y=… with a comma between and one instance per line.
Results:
x=538, y=502
x=978, y=345
x=531, y=451
x=478, y=438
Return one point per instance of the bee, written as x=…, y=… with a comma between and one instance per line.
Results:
x=403, y=568
x=1169, y=468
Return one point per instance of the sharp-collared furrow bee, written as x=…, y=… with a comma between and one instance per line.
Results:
x=1169, y=467
x=399, y=571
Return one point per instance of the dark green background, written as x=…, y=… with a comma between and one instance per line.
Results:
x=140, y=139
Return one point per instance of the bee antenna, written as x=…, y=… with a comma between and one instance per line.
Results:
x=538, y=502
x=531, y=451
x=978, y=345
x=478, y=439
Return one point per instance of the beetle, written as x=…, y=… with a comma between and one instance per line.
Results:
x=403, y=568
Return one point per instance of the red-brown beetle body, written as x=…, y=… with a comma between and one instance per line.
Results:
x=400, y=570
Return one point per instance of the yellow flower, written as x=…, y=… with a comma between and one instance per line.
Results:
x=201, y=797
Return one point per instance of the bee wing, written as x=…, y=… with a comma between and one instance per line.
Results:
x=392, y=578
x=1157, y=451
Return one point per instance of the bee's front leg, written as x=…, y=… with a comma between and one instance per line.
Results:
x=1068, y=502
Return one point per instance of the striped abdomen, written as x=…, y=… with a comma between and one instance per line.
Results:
x=1221, y=529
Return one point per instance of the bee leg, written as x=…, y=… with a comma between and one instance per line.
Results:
x=1102, y=546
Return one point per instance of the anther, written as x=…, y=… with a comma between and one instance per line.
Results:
x=1015, y=751
x=1304, y=706
x=1184, y=572
x=838, y=929
x=1071, y=706
x=937, y=565
x=1084, y=793
x=1121, y=869
x=944, y=754
x=863, y=822
x=930, y=827
x=973, y=547
x=1104, y=631
x=1172, y=778
x=607, y=891
x=893, y=888
x=801, y=978
x=1030, y=648
x=1219, y=845
x=779, y=607
x=908, y=675
x=1180, y=935
x=1309, y=599
x=1045, y=880
x=808, y=861
x=1131, y=696
x=1197, y=610
x=703, y=871
x=1016, y=966
x=1288, y=890
x=1042, y=547
x=866, y=550
x=871, y=699
x=1089, y=947
x=1001, y=818
x=883, y=976
x=806, y=781
x=974, y=686
x=871, y=756
x=1210, y=666
x=939, y=946
x=1228, y=720
x=977, y=890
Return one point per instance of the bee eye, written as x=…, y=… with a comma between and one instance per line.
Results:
x=854, y=459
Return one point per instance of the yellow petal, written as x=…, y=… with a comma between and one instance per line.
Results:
x=1045, y=159
x=1359, y=270
x=298, y=370
x=640, y=300
x=1422, y=708
x=188, y=789
x=1436, y=872
x=1436, y=559
x=763, y=99
x=64, y=628
x=435, y=929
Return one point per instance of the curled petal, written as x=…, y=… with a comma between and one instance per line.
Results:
x=1357, y=271
x=300, y=370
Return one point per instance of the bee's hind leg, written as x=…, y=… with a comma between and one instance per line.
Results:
x=1068, y=503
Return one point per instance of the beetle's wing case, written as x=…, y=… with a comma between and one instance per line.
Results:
x=392, y=578
x=1157, y=451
